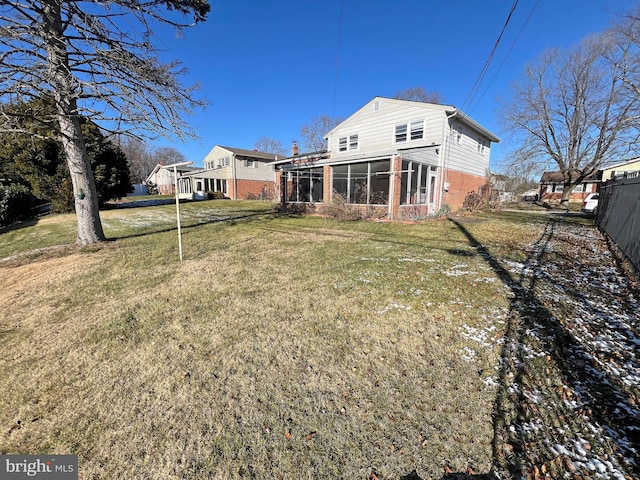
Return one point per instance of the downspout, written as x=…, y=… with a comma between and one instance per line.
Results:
x=235, y=179
x=446, y=140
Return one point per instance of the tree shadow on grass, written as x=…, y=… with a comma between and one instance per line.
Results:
x=558, y=410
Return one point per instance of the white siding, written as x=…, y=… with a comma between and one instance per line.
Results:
x=376, y=129
x=463, y=154
x=375, y=125
x=259, y=171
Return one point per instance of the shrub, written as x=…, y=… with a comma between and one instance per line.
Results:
x=152, y=188
x=16, y=203
x=341, y=210
x=485, y=199
x=215, y=195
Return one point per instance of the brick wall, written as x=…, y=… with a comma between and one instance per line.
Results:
x=254, y=189
x=460, y=184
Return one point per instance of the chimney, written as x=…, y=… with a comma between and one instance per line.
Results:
x=294, y=149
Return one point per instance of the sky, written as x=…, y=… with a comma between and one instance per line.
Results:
x=266, y=68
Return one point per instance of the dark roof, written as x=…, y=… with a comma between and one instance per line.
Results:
x=252, y=153
x=556, y=177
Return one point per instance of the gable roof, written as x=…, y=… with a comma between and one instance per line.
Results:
x=251, y=153
x=556, y=177
x=449, y=110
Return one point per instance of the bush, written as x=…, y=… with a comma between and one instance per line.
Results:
x=16, y=203
x=485, y=200
x=341, y=210
x=215, y=196
x=152, y=188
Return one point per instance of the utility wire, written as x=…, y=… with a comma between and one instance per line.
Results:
x=476, y=85
x=471, y=108
x=335, y=82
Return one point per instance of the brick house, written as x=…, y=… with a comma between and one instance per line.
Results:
x=401, y=157
x=237, y=173
x=552, y=186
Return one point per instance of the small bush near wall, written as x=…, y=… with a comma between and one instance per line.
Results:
x=215, y=196
x=485, y=199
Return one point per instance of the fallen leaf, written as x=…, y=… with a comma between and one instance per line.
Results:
x=287, y=434
x=310, y=436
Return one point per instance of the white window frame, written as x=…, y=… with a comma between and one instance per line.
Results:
x=416, y=131
x=409, y=131
x=349, y=143
x=401, y=133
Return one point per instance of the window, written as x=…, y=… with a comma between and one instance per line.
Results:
x=306, y=185
x=417, y=185
x=249, y=163
x=401, y=133
x=365, y=183
x=410, y=131
x=348, y=143
x=417, y=130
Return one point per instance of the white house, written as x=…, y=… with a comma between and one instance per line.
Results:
x=237, y=173
x=400, y=154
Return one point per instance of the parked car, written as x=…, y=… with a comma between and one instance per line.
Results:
x=590, y=203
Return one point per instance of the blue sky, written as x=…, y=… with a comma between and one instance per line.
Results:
x=268, y=67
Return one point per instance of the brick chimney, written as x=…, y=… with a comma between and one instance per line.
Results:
x=294, y=149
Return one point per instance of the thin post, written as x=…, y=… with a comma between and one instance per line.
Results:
x=175, y=179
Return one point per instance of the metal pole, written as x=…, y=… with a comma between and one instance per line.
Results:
x=175, y=177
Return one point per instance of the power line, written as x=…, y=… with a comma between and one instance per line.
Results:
x=476, y=85
x=471, y=108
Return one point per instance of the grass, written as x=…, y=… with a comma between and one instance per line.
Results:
x=281, y=347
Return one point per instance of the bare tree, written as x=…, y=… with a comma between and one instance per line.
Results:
x=313, y=133
x=95, y=63
x=418, y=94
x=167, y=156
x=139, y=157
x=269, y=145
x=573, y=111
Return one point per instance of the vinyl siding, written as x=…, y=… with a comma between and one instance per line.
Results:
x=376, y=129
x=464, y=156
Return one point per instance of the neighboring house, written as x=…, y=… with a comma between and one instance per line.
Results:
x=237, y=173
x=552, y=186
x=401, y=156
x=620, y=168
x=164, y=179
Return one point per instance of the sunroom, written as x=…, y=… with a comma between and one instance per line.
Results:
x=396, y=181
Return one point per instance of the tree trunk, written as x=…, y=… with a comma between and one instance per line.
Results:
x=566, y=194
x=84, y=187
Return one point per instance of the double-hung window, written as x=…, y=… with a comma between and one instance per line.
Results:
x=401, y=133
x=409, y=131
x=348, y=143
x=417, y=130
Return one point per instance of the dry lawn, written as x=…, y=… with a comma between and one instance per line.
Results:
x=282, y=347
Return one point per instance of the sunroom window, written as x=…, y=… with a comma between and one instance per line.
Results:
x=365, y=183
